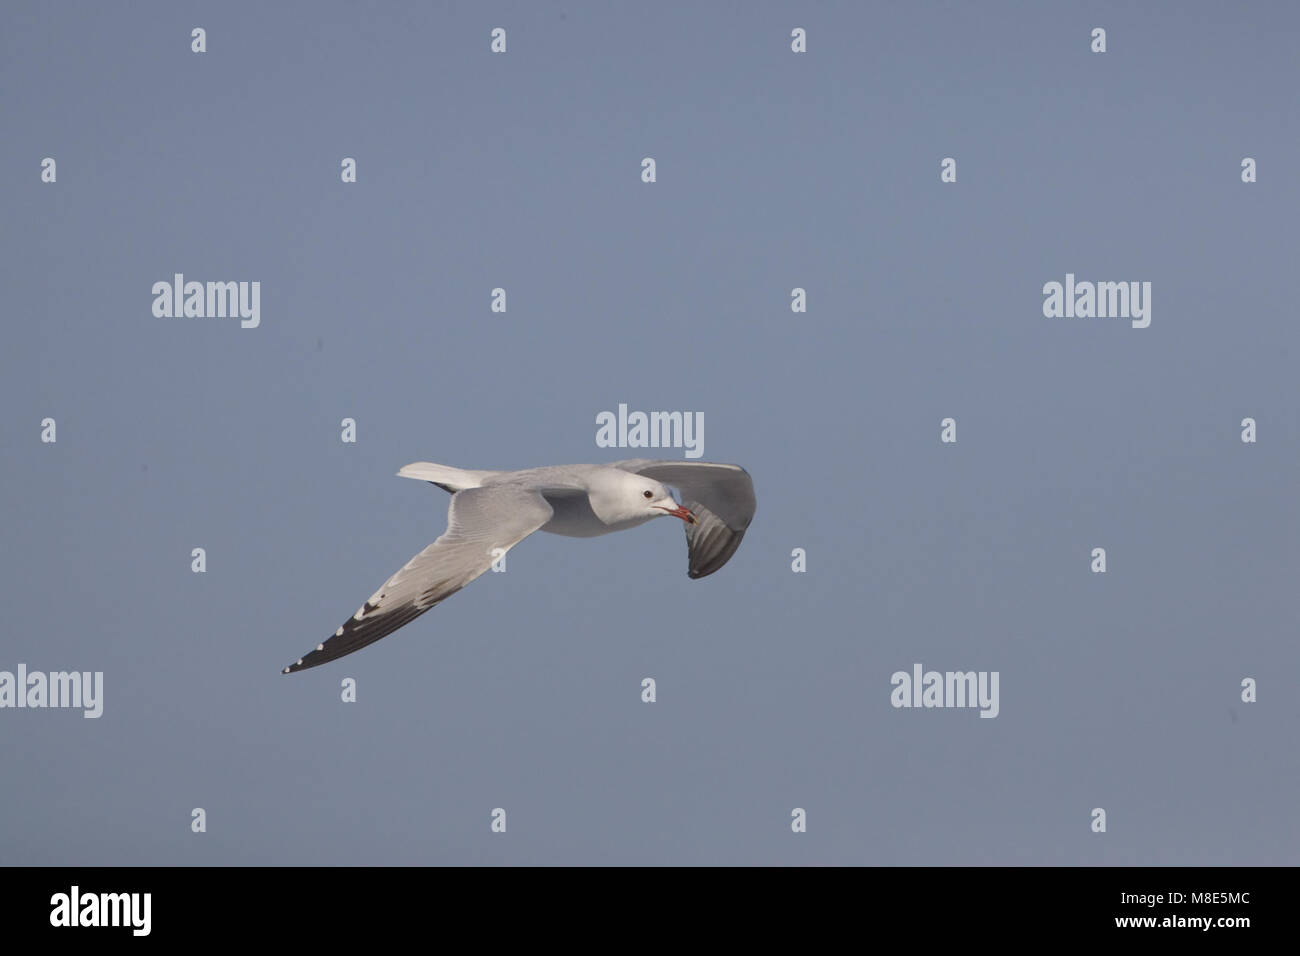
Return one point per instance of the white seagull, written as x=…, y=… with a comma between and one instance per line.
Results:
x=492, y=511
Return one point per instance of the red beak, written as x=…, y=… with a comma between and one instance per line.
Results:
x=679, y=512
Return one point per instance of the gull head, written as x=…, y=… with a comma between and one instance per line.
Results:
x=666, y=504
x=623, y=499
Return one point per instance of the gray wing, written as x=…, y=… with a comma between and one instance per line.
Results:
x=479, y=520
x=722, y=498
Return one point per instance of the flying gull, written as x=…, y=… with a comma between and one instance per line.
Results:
x=492, y=511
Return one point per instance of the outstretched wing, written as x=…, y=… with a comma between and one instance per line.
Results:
x=479, y=521
x=722, y=498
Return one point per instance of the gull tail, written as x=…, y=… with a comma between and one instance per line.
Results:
x=444, y=476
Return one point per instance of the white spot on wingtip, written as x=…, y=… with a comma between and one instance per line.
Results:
x=299, y=662
x=285, y=671
x=339, y=632
x=320, y=647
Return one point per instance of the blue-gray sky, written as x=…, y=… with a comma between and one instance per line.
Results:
x=775, y=170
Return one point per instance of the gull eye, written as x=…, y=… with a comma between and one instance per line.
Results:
x=648, y=494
